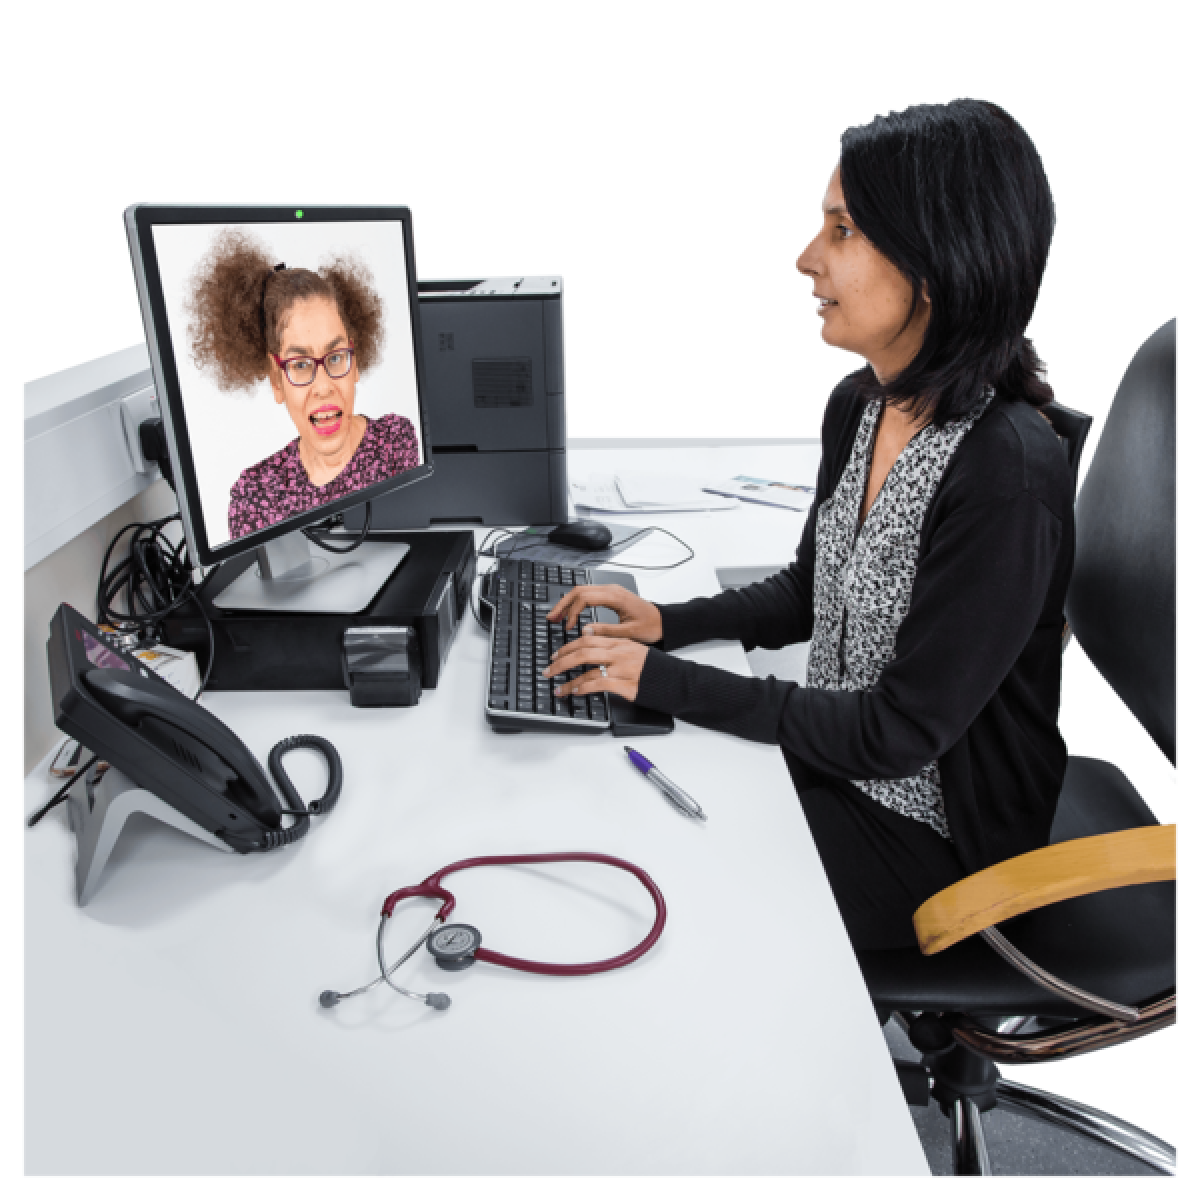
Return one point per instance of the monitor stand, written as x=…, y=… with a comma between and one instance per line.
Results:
x=291, y=574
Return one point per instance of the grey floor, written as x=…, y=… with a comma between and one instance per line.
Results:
x=1017, y=1145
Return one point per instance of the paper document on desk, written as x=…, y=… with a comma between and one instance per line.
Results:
x=796, y=496
x=631, y=492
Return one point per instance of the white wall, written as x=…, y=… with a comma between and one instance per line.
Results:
x=668, y=159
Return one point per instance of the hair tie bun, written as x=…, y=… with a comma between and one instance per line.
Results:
x=281, y=266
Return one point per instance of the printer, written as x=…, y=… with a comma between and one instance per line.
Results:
x=495, y=407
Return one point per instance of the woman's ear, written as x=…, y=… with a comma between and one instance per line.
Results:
x=275, y=375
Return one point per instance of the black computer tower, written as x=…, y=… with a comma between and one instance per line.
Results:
x=495, y=406
x=296, y=651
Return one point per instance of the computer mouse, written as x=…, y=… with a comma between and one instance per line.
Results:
x=582, y=535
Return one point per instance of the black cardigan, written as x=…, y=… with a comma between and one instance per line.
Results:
x=976, y=675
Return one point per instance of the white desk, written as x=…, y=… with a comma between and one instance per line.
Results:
x=172, y=1024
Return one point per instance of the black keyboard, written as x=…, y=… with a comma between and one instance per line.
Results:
x=520, y=594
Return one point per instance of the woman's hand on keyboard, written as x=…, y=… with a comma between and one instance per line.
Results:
x=640, y=620
x=622, y=661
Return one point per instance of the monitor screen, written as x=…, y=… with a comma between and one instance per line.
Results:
x=285, y=344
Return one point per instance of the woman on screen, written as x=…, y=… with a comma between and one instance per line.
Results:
x=310, y=334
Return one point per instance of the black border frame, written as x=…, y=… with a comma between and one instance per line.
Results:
x=140, y=220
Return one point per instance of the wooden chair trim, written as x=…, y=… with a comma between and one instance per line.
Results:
x=1045, y=876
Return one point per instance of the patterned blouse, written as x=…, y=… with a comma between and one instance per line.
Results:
x=279, y=487
x=864, y=578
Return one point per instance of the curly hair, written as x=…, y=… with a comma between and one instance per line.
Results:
x=238, y=302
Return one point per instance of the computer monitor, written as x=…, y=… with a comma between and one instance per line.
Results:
x=286, y=354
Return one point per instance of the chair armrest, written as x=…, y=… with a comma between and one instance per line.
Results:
x=1044, y=876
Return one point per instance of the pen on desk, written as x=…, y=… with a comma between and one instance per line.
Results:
x=677, y=796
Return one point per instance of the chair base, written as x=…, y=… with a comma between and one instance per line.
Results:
x=1091, y=1122
x=970, y=1146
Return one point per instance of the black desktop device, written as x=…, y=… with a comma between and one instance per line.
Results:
x=267, y=651
x=492, y=351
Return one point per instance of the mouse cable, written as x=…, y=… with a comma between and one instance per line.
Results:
x=607, y=562
x=314, y=532
x=541, y=540
x=151, y=582
x=61, y=794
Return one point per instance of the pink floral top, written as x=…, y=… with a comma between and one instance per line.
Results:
x=279, y=487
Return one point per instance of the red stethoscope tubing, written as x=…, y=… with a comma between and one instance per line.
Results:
x=431, y=888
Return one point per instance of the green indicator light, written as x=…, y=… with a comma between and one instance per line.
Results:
x=299, y=213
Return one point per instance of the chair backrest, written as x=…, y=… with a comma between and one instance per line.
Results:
x=1072, y=429
x=1121, y=602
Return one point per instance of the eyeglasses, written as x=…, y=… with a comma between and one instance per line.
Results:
x=301, y=371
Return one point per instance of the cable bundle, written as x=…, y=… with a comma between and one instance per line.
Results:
x=151, y=582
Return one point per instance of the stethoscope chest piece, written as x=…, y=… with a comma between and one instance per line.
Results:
x=453, y=946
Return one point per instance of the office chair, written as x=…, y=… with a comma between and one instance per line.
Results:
x=972, y=996
x=1072, y=429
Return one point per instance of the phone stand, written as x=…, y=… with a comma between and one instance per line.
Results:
x=99, y=814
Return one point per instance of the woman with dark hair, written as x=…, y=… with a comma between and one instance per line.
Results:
x=934, y=563
x=311, y=334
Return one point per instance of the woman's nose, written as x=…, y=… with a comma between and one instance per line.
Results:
x=808, y=263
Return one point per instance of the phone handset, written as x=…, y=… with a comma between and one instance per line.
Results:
x=203, y=744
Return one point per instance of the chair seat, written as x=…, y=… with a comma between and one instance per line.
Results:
x=1118, y=944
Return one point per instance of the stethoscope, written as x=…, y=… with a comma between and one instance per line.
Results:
x=456, y=947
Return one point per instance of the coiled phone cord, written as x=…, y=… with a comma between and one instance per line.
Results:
x=295, y=805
